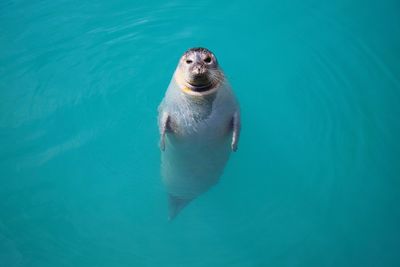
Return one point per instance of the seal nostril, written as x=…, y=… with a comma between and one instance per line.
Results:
x=207, y=60
x=189, y=61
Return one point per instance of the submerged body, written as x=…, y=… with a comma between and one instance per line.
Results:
x=199, y=128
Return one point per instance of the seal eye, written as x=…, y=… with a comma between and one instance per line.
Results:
x=189, y=61
x=207, y=60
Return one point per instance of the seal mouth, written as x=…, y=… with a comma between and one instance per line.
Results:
x=200, y=88
x=199, y=83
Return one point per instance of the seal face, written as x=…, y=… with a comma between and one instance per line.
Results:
x=199, y=123
x=199, y=70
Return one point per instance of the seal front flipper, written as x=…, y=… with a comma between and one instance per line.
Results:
x=235, y=130
x=176, y=204
x=164, y=121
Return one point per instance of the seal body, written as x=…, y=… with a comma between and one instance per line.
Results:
x=199, y=128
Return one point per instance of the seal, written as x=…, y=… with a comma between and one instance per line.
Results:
x=199, y=124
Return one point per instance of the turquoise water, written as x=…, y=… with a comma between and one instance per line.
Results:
x=316, y=179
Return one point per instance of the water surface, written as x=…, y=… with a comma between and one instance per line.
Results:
x=316, y=180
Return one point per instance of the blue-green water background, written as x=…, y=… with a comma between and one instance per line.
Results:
x=315, y=182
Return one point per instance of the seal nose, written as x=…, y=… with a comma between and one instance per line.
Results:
x=198, y=69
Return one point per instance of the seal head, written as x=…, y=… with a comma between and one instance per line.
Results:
x=198, y=71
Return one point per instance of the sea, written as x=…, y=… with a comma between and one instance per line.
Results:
x=315, y=180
